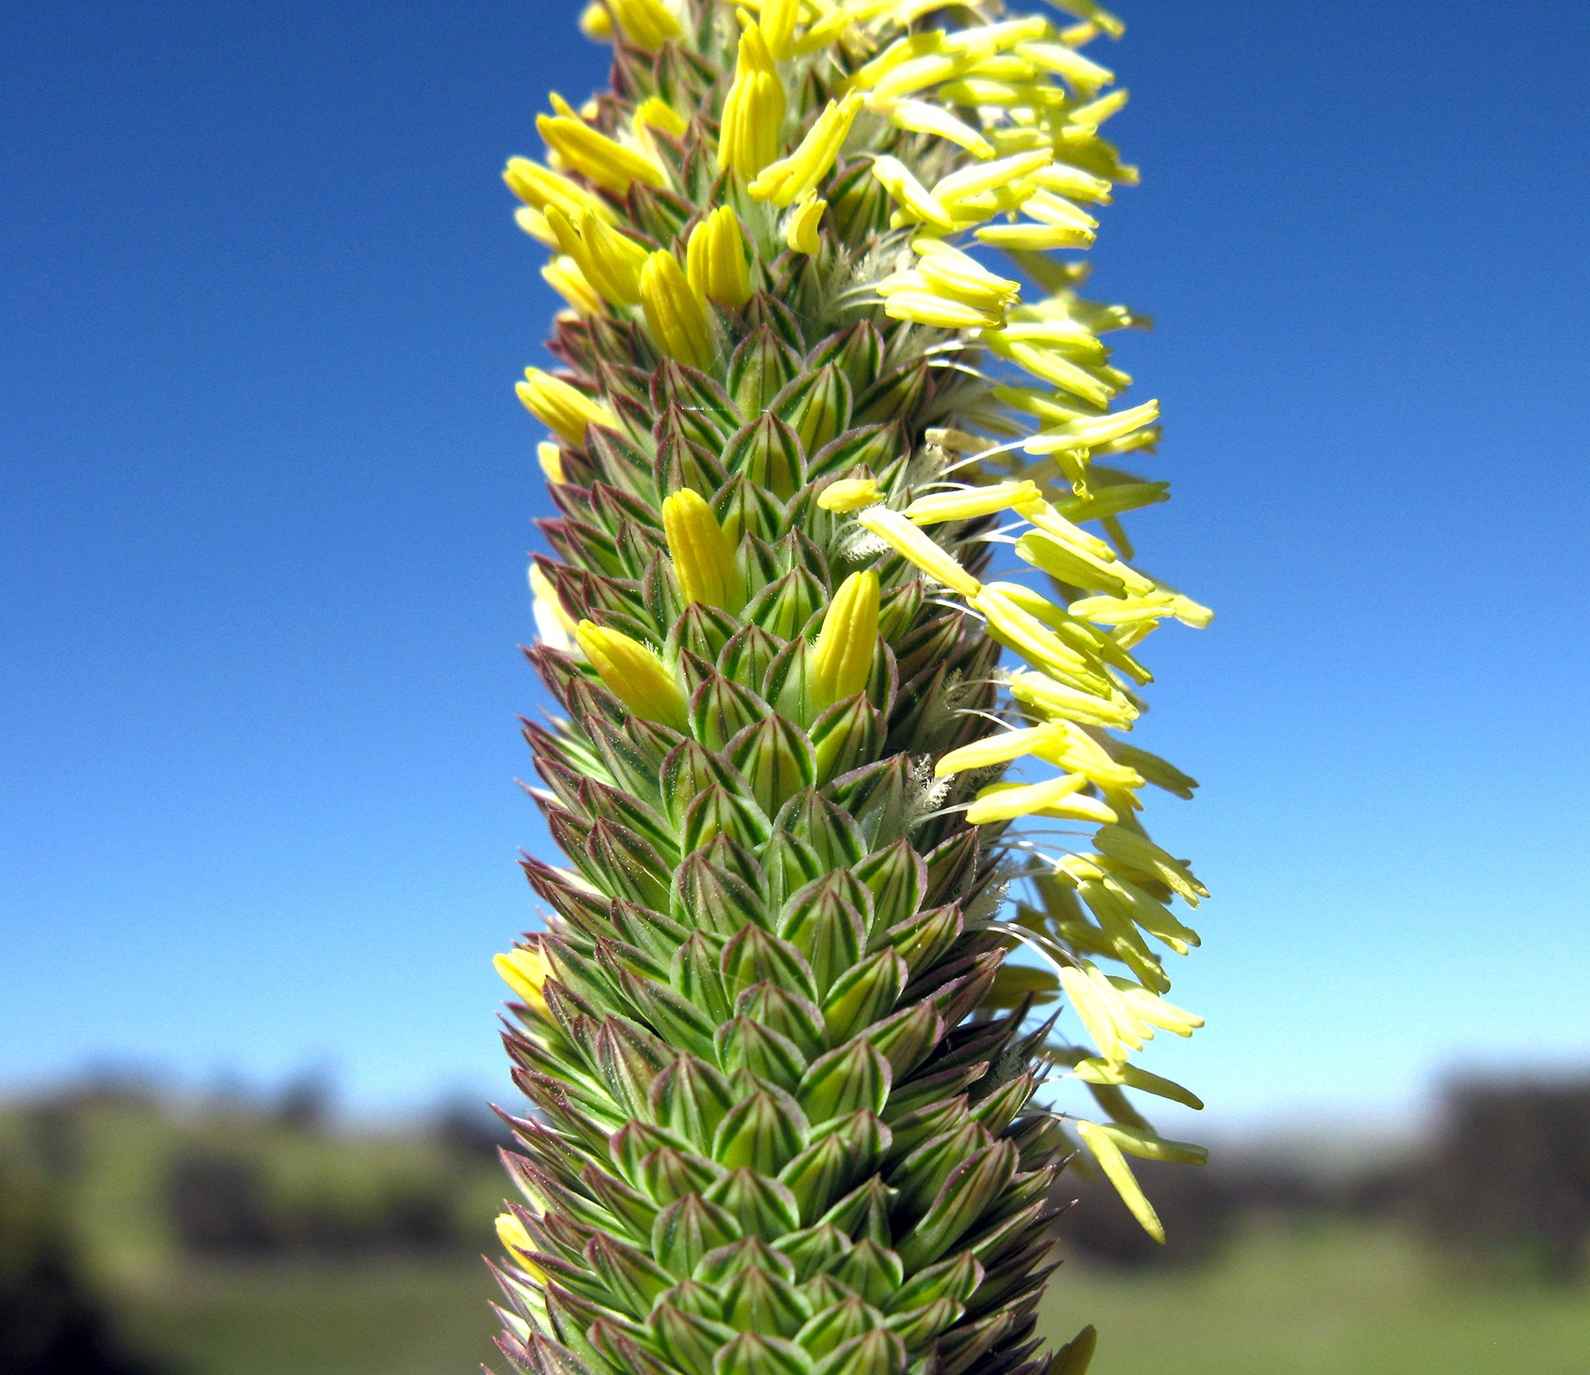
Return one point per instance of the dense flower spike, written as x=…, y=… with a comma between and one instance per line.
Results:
x=839, y=542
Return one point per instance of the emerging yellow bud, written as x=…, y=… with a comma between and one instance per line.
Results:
x=611, y=165
x=550, y=457
x=563, y=275
x=703, y=557
x=849, y=494
x=676, y=316
x=560, y=407
x=656, y=113
x=778, y=26
x=633, y=674
x=524, y=971
x=753, y=112
x=554, y=625
x=646, y=23
x=715, y=260
x=841, y=662
x=794, y=177
x=596, y=23
x=517, y=1242
x=800, y=228
x=610, y=261
x=539, y=187
x=919, y=549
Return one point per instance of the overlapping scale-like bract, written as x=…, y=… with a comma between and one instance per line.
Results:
x=839, y=542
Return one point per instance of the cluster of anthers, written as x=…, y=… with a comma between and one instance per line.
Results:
x=802, y=417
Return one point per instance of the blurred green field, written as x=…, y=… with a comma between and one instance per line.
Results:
x=113, y=1193
x=1316, y=1293
x=1337, y=1298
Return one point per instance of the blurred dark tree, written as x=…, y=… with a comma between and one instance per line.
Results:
x=53, y=1136
x=217, y=1203
x=50, y=1321
x=1509, y=1176
x=1196, y=1207
x=305, y=1101
x=1201, y=1208
x=465, y=1128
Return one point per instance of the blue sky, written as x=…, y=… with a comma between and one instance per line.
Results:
x=265, y=498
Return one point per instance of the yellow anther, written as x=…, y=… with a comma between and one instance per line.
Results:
x=1058, y=797
x=915, y=200
x=927, y=117
x=967, y=503
x=919, y=549
x=1119, y=1173
x=563, y=275
x=1056, y=700
x=596, y=23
